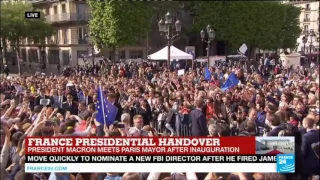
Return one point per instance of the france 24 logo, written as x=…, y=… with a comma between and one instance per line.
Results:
x=285, y=163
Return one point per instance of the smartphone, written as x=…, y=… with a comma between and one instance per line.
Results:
x=44, y=102
x=117, y=125
x=120, y=126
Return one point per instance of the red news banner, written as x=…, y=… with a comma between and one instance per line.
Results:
x=135, y=146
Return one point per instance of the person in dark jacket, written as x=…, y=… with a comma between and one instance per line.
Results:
x=250, y=125
x=41, y=96
x=70, y=105
x=145, y=112
x=310, y=137
x=71, y=90
x=86, y=98
x=198, y=119
x=6, y=70
x=275, y=125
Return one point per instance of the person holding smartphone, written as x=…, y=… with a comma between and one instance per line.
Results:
x=42, y=95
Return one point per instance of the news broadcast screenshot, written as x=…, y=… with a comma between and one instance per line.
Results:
x=159, y=90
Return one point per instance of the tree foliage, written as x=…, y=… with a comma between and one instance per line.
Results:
x=41, y=29
x=160, y=8
x=260, y=24
x=15, y=27
x=290, y=30
x=118, y=23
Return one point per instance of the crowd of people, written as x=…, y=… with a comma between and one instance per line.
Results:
x=152, y=100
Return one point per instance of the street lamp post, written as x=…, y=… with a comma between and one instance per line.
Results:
x=210, y=38
x=165, y=27
x=92, y=46
x=304, y=41
x=312, y=35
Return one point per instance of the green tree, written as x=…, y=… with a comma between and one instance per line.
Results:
x=290, y=30
x=258, y=24
x=118, y=23
x=41, y=29
x=160, y=8
x=15, y=27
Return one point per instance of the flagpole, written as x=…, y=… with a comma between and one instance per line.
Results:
x=102, y=103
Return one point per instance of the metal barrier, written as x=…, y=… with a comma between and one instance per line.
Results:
x=181, y=128
x=185, y=130
x=159, y=126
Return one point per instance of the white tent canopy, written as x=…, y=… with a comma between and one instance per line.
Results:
x=237, y=56
x=175, y=53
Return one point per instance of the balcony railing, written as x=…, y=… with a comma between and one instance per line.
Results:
x=37, y=1
x=82, y=41
x=51, y=41
x=65, y=17
x=305, y=32
x=307, y=9
x=306, y=19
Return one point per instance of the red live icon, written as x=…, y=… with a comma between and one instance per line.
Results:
x=32, y=14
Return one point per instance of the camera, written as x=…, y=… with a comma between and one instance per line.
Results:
x=118, y=125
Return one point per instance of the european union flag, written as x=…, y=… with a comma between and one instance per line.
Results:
x=107, y=112
x=231, y=82
x=207, y=74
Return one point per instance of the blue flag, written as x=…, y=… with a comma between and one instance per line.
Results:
x=231, y=82
x=207, y=74
x=107, y=112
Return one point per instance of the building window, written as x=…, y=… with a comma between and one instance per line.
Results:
x=57, y=37
x=30, y=41
x=82, y=8
x=122, y=54
x=82, y=12
x=305, y=28
x=24, y=54
x=66, y=57
x=33, y=55
x=65, y=36
x=82, y=31
x=63, y=8
x=24, y=41
x=49, y=40
x=55, y=9
x=306, y=18
x=136, y=54
x=47, y=11
x=307, y=7
x=53, y=57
